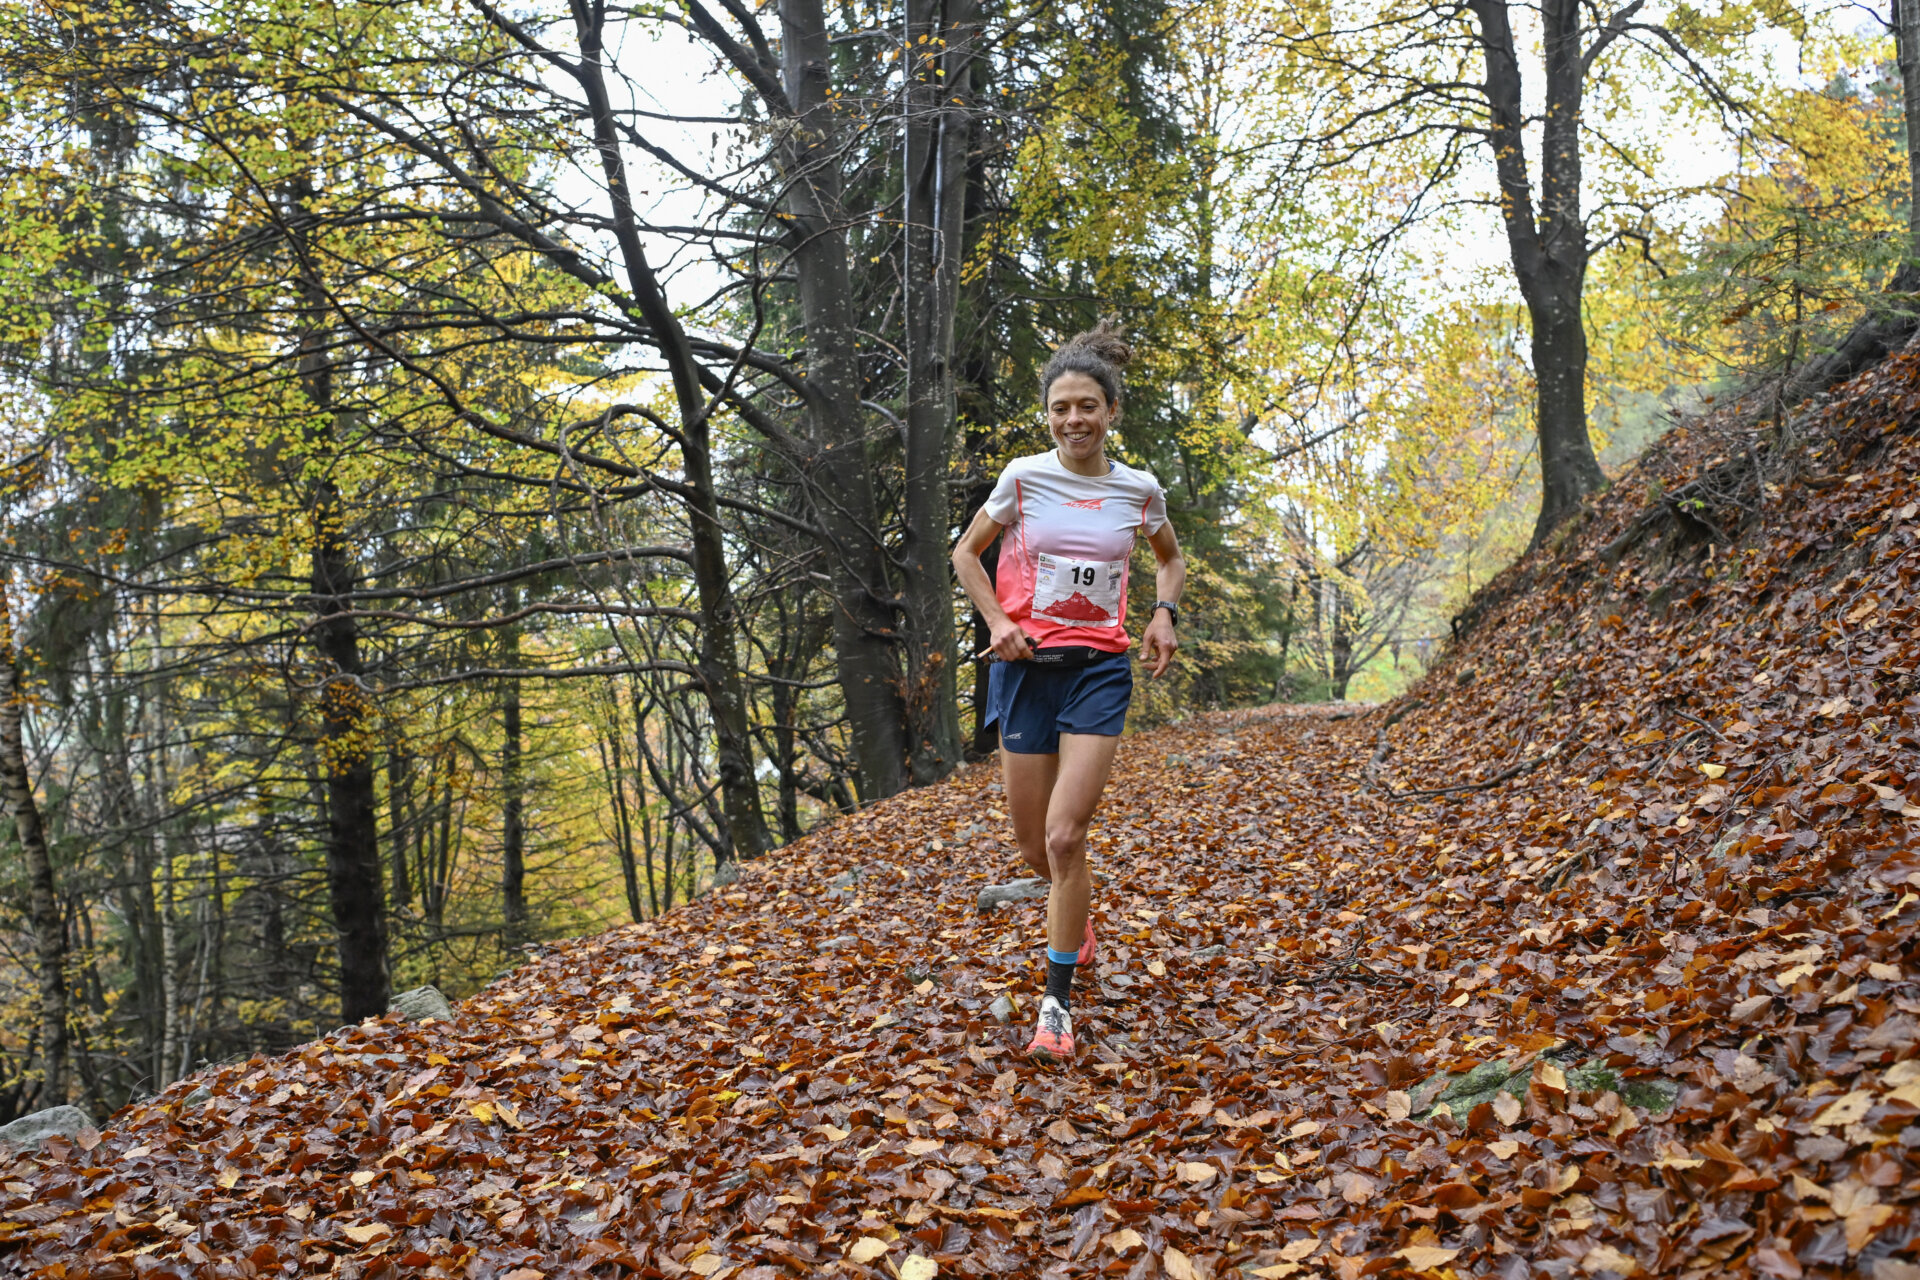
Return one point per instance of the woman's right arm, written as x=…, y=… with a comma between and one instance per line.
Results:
x=1010, y=643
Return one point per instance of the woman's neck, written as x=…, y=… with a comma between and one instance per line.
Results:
x=1097, y=465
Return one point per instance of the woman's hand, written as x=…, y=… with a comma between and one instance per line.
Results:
x=1159, y=644
x=1010, y=643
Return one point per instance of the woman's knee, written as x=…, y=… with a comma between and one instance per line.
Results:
x=1066, y=843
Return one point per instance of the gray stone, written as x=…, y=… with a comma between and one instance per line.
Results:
x=200, y=1094
x=845, y=885
x=1012, y=891
x=840, y=943
x=726, y=873
x=733, y=1181
x=30, y=1130
x=420, y=1004
x=1001, y=1009
x=1213, y=952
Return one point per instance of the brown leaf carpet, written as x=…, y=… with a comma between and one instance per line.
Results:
x=1712, y=881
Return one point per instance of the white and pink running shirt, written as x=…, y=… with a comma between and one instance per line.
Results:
x=1068, y=542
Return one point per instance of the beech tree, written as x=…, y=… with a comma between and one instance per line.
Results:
x=1530, y=114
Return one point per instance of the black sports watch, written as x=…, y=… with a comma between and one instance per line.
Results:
x=1173, y=610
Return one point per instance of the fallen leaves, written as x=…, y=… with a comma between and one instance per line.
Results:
x=1687, y=975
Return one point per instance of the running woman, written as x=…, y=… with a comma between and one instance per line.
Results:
x=1061, y=681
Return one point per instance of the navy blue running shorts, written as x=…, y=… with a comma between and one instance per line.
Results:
x=1034, y=705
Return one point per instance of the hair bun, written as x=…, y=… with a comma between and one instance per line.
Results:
x=1108, y=340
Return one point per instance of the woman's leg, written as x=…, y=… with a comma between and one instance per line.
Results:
x=1083, y=766
x=1029, y=783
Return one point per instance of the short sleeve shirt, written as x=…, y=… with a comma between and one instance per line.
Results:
x=1068, y=546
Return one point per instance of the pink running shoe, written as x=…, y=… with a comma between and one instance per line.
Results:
x=1088, y=947
x=1054, y=1038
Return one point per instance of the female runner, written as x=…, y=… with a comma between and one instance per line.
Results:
x=1061, y=682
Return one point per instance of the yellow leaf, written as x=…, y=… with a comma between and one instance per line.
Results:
x=1713, y=771
x=919, y=1267
x=1507, y=1108
x=1460, y=999
x=1551, y=1076
x=1159, y=970
x=1278, y=1271
x=1847, y=1109
x=1424, y=1257
x=1123, y=1240
x=706, y=1264
x=1397, y=1105
x=866, y=1249
x=1197, y=1173
x=923, y=1146
x=1298, y=1249
x=1177, y=1264
x=482, y=1111
x=363, y=1177
x=1883, y=972
x=227, y=1178
x=369, y=1233
x=1863, y=1222
x=1504, y=1149
x=1604, y=1257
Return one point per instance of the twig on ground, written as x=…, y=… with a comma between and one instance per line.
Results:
x=1505, y=775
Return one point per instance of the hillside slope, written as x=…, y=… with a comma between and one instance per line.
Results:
x=1660, y=913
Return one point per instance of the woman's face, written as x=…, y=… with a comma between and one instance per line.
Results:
x=1079, y=416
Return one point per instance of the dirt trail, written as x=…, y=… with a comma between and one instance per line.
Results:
x=1629, y=894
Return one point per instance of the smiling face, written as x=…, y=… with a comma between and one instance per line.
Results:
x=1079, y=416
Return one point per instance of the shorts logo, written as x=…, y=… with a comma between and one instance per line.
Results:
x=1085, y=504
x=1013, y=737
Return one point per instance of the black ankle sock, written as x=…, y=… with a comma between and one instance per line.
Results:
x=1060, y=980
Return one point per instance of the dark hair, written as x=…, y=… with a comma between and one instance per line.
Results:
x=1102, y=353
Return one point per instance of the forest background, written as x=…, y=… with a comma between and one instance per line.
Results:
x=472, y=473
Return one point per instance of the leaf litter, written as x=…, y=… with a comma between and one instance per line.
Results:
x=1651, y=819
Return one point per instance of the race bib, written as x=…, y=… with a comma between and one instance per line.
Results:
x=1084, y=593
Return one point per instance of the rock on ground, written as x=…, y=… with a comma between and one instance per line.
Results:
x=1012, y=891
x=420, y=1004
x=32, y=1129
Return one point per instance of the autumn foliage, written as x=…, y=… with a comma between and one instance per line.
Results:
x=1648, y=822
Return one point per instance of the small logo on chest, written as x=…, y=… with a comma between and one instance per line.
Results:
x=1085, y=504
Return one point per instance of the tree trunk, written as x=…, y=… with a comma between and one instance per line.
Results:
x=1906, y=33
x=943, y=38
x=865, y=631
x=43, y=900
x=622, y=820
x=1569, y=471
x=513, y=841
x=399, y=822
x=1548, y=252
x=346, y=714
x=1340, y=644
x=353, y=833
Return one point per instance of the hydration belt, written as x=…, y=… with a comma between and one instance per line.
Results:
x=1066, y=657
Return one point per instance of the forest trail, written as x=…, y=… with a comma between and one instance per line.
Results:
x=1637, y=855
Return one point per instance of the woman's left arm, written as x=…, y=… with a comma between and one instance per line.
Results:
x=1157, y=647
